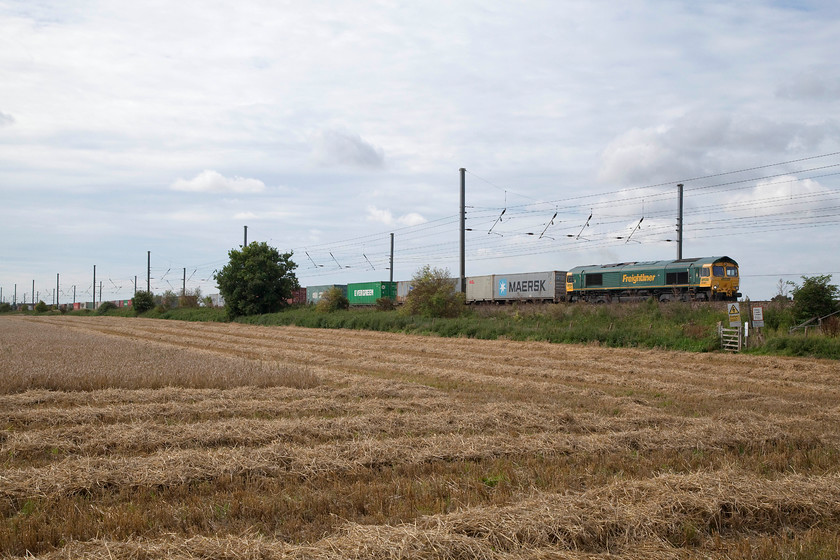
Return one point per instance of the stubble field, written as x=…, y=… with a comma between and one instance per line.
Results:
x=133, y=438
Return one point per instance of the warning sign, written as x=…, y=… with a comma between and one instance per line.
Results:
x=734, y=314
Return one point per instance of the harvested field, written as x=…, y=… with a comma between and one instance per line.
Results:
x=133, y=438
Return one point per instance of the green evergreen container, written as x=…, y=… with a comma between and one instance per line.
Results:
x=366, y=293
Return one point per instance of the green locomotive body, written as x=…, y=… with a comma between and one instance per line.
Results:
x=707, y=278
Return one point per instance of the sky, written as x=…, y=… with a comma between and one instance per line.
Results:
x=160, y=130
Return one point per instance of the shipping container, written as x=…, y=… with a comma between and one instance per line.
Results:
x=404, y=288
x=366, y=293
x=315, y=293
x=530, y=286
x=479, y=288
x=298, y=297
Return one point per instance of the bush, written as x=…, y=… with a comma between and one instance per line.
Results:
x=332, y=300
x=191, y=299
x=433, y=294
x=385, y=304
x=167, y=300
x=105, y=307
x=5, y=308
x=143, y=302
x=814, y=298
x=41, y=307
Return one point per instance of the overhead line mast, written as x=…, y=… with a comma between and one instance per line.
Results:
x=463, y=231
x=680, y=223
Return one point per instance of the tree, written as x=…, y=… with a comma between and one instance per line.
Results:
x=41, y=307
x=258, y=279
x=143, y=301
x=814, y=298
x=433, y=294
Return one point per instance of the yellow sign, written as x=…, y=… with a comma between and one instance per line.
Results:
x=734, y=314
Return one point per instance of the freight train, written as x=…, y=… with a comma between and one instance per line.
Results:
x=693, y=279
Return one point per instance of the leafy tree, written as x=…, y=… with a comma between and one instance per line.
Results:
x=814, y=298
x=258, y=279
x=41, y=307
x=143, y=301
x=5, y=307
x=433, y=294
x=333, y=300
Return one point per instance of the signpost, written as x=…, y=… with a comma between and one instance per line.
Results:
x=758, y=316
x=734, y=310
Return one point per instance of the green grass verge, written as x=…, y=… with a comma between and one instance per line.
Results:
x=672, y=326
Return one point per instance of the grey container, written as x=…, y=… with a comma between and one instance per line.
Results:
x=479, y=288
x=530, y=286
x=315, y=293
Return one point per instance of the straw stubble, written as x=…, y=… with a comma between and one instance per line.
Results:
x=130, y=438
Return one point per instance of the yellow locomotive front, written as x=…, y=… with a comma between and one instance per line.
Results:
x=721, y=279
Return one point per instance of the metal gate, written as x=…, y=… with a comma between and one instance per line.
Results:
x=730, y=338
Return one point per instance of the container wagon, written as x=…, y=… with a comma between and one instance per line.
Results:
x=549, y=286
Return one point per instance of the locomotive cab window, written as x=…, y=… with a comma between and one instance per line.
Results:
x=731, y=272
x=594, y=280
x=705, y=272
x=718, y=271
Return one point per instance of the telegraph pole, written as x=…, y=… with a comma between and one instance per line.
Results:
x=184, y=288
x=56, y=289
x=392, y=258
x=33, y=292
x=245, y=240
x=94, y=286
x=680, y=222
x=149, y=271
x=463, y=231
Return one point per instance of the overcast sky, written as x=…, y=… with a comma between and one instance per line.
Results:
x=128, y=127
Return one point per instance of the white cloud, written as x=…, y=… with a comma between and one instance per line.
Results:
x=336, y=147
x=375, y=214
x=215, y=182
x=6, y=119
x=703, y=143
x=786, y=196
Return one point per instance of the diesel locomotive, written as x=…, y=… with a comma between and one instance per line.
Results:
x=696, y=279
